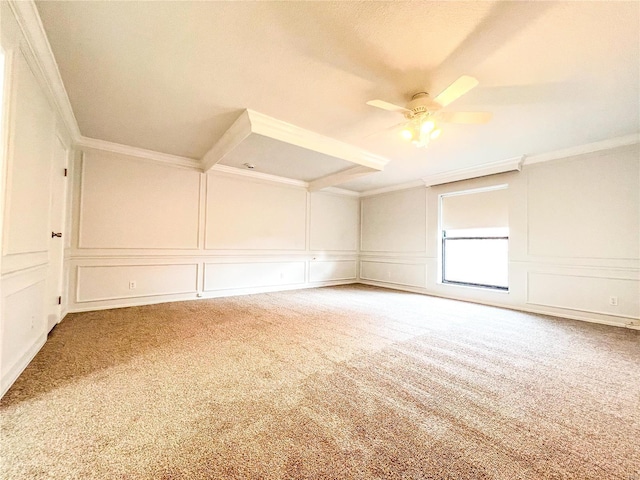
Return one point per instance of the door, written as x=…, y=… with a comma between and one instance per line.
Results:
x=56, y=245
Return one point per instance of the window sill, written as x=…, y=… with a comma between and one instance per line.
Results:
x=475, y=287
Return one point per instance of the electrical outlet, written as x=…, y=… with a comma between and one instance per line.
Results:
x=132, y=284
x=613, y=301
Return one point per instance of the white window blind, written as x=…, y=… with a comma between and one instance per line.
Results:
x=482, y=209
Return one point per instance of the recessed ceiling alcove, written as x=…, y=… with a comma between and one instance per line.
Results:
x=278, y=148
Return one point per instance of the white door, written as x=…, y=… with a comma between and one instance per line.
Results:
x=56, y=245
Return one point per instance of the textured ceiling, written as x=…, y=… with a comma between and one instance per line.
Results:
x=173, y=76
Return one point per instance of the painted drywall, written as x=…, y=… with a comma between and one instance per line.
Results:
x=395, y=222
x=585, y=207
x=253, y=215
x=137, y=204
x=33, y=154
x=334, y=217
x=179, y=234
x=574, y=226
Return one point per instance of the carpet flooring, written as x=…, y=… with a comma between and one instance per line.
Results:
x=349, y=382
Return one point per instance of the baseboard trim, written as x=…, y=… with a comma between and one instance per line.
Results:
x=630, y=324
x=14, y=372
x=209, y=295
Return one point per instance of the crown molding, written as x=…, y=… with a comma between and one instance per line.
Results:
x=225, y=169
x=257, y=175
x=393, y=188
x=508, y=165
x=608, y=144
x=28, y=18
x=341, y=191
x=164, y=158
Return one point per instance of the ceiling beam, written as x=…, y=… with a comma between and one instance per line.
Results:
x=236, y=134
x=286, y=132
x=340, y=177
x=252, y=122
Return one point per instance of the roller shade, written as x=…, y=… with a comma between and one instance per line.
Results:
x=483, y=209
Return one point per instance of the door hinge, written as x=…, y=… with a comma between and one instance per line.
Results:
x=60, y=300
x=65, y=172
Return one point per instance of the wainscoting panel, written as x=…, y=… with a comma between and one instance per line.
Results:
x=224, y=276
x=23, y=318
x=32, y=124
x=111, y=282
x=410, y=274
x=587, y=293
x=324, y=271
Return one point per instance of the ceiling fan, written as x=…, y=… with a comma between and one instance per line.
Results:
x=424, y=114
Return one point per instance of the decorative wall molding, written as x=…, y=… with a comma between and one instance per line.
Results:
x=254, y=274
x=24, y=261
x=333, y=270
x=190, y=289
x=17, y=368
x=548, y=302
x=174, y=160
x=630, y=267
x=164, y=158
x=508, y=165
x=28, y=19
x=634, y=324
x=608, y=144
x=394, y=274
x=132, y=302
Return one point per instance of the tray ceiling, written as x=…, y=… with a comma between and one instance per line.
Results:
x=173, y=77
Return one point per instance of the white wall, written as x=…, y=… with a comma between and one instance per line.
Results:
x=33, y=155
x=179, y=234
x=574, y=238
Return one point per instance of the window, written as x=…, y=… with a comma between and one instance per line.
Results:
x=475, y=238
x=476, y=257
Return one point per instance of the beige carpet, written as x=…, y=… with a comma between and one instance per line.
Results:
x=337, y=383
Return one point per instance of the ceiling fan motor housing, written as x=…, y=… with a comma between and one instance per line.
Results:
x=421, y=105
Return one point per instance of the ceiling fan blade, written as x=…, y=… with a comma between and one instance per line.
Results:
x=386, y=106
x=465, y=117
x=454, y=91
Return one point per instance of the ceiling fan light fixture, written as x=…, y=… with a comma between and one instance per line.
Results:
x=407, y=134
x=427, y=126
x=422, y=112
x=421, y=130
